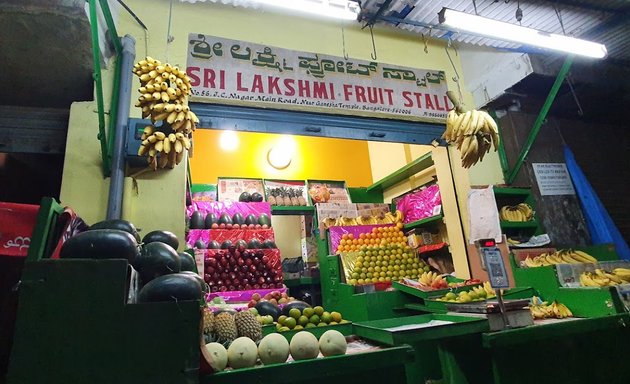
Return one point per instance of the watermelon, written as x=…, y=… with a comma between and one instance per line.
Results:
x=254, y=244
x=101, y=244
x=264, y=219
x=157, y=259
x=214, y=245
x=165, y=237
x=244, y=197
x=226, y=244
x=256, y=197
x=251, y=219
x=204, y=287
x=122, y=225
x=269, y=244
x=211, y=218
x=196, y=220
x=199, y=244
x=238, y=219
x=174, y=287
x=187, y=262
x=265, y=308
x=241, y=243
x=225, y=219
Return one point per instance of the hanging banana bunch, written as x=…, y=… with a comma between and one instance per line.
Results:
x=164, y=91
x=473, y=132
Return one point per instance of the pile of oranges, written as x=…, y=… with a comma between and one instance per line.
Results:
x=379, y=237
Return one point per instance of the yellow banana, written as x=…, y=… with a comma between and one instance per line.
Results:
x=162, y=160
x=585, y=256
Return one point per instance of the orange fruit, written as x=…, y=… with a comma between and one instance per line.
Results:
x=350, y=236
x=344, y=236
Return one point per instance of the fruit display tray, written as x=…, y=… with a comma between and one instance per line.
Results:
x=345, y=329
x=436, y=292
x=413, y=329
x=511, y=294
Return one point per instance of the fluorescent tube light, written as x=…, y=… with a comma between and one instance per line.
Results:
x=499, y=30
x=338, y=9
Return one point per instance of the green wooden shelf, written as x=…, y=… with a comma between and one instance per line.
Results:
x=509, y=191
x=532, y=224
x=292, y=211
x=424, y=222
x=423, y=162
x=305, y=280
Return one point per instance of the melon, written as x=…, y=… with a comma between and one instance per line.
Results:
x=273, y=349
x=304, y=345
x=218, y=356
x=332, y=343
x=242, y=353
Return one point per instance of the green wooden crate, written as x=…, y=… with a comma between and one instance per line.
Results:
x=384, y=365
x=73, y=325
x=511, y=294
x=345, y=329
x=591, y=301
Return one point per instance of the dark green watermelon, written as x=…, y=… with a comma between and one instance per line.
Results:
x=244, y=197
x=122, y=225
x=204, y=287
x=211, y=218
x=254, y=244
x=187, y=262
x=214, y=245
x=269, y=244
x=200, y=245
x=238, y=219
x=174, y=287
x=264, y=219
x=256, y=197
x=225, y=219
x=251, y=219
x=294, y=304
x=196, y=220
x=157, y=259
x=101, y=244
x=165, y=237
x=226, y=244
x=265, y=308
x=241, y=243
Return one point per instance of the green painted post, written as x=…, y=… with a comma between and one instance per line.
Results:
x=541, y=118
x=505, y=166
x=96, y=54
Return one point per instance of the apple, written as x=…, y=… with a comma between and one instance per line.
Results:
x=265, y=259
x=256, y=261
x=282, y=300
x=272, y=301
x=267, y=296
x=232, y=275
x=215, y=226
x=214, y=289
x=224, y=275
x=222, y=226
x=236, y=226
x=207, y=277
x=265, y=226
x=239, y=287
x=256, y=296
x=223, y=288
x=245, y=281
x=278, y=279
x=256, y=286
x=252, y=303
x=224, y=262
x=284, y=295
x=251, y=226
x=265, y=286
x=248, y=261
x=216, y=276
x=261, y=280
x=244, y=268
x=231, y=288
x=253, y=268
x=279, y=285
x=257, y=226
x=269, y=280
x=228, y=226
x=211, y=283
x=209, y=270
x=211, y=261
x=248, y=287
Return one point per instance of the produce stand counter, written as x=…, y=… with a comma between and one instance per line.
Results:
x=374, y=366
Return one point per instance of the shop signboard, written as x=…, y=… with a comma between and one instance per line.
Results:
x=230, y=71
x=553, y=179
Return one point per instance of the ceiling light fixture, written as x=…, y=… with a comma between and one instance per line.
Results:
x=338, y=9
x=464, y=22
x=281, y=154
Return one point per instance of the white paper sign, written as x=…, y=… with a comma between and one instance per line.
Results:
x=553, y=179
x=236, y=71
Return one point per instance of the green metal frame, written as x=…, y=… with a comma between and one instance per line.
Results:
x=540, y=119
x=106, y=138
x=505, y=166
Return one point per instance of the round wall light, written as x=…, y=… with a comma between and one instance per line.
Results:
x=281, y=154
x=228, y=140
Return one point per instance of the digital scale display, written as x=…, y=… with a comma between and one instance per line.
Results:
x=493, y=262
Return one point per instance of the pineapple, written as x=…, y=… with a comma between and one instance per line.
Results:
x=287, y=198
x=271, y=198
x=294, y=200
x=300, y=196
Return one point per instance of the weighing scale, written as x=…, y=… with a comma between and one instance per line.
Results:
x=501, y=314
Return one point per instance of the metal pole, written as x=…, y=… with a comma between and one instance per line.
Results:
x=541, y=118
x=114, y=204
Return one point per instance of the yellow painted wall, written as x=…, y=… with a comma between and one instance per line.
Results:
x=156, y=200
x=314, y=158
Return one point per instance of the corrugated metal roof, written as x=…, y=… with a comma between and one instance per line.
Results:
x=604, y=21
